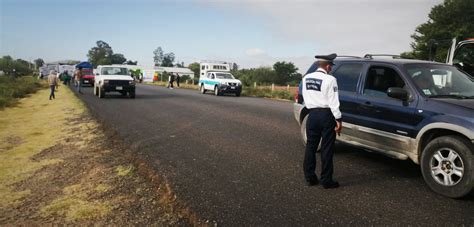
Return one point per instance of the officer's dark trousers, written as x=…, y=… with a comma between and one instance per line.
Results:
x=51, y=95
x=320, y=126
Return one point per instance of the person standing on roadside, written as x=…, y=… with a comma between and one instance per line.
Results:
x=177, y=79
x=53, y=82
x=171, y=81
x=321, y=97
x=78, y=78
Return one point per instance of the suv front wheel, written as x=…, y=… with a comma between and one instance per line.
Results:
x=203, y=90
x=447, y=166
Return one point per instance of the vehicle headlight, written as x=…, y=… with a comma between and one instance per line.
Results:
x=106, y=81
x=131, y=82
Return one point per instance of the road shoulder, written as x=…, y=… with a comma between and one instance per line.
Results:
x=58, y=165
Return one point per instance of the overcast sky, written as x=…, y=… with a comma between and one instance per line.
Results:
x=251, y=33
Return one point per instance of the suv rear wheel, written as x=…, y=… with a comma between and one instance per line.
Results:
x=216, y=91
x=303, y=132
x=447, y=166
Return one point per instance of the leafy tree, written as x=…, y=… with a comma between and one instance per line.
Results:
x=101, y=54
x=235, y=66
x=451, y=19
x=130, y=62
x=168, y=60
x=285, y=72
x=117, y=59
x=180, y=65
x=13, y=67
x=195, y=68
x=39, y=62
x=158, y=56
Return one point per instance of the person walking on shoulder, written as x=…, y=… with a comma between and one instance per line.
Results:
x=53, y=81
x=78, y=78
x=321, y=97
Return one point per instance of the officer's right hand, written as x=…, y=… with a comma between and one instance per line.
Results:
x=338, y=128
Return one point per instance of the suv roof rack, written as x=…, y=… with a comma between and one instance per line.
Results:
x=347, y=56
x=371, y=56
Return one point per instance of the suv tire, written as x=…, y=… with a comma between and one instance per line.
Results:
x=447, y=165
x=303, y=132
x=216, y=91
x=131, y=94
x=203, y=90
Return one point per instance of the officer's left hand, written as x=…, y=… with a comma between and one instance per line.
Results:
x=338, y=128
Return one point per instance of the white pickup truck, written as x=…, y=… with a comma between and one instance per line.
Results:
x=113, y=78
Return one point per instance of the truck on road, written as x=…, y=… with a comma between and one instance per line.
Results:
x=114, y=78
x=215, y=76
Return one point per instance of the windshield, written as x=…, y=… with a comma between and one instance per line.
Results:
x=114, y=71
x=224, y=76
x=441, y=81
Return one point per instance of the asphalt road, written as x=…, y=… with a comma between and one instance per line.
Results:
x=238, y=161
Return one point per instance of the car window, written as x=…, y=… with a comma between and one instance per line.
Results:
x=379, y=79
x=213, y=76
x=224, y=76
x=440, y=80
x=347, y=76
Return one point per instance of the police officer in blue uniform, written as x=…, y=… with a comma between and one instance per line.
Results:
x=321, y=97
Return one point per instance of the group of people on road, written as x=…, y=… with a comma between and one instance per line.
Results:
x=173, y=77
x=54, y=79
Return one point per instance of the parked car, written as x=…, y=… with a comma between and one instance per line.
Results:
x=408, y=109
x=113, y=78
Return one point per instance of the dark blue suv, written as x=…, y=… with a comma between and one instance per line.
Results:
x=408, y=109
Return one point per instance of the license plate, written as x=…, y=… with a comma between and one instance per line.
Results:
x=86, y=81
x=232, y=87
x=119, y=88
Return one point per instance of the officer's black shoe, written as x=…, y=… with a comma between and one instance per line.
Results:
x=312, y=182
x=331, y=184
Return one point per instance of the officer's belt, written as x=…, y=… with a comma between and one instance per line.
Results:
x=319, y=109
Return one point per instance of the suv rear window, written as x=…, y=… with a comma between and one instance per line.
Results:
x=347, y=76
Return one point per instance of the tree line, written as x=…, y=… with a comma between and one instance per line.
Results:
x=15, y=67
x=448, y=20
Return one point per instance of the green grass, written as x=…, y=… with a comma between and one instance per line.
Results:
x=264, y=92
x=13, y=89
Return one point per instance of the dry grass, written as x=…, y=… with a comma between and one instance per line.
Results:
x=35, y=129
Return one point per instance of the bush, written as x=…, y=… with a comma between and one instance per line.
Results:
x=11, y=89
x=266, y=93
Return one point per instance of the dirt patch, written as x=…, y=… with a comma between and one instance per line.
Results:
x=81, y=180
x=10, y=142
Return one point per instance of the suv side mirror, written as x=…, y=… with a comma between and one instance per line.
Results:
x=398, y=93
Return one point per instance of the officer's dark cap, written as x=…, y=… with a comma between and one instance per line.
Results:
x=328, y=58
